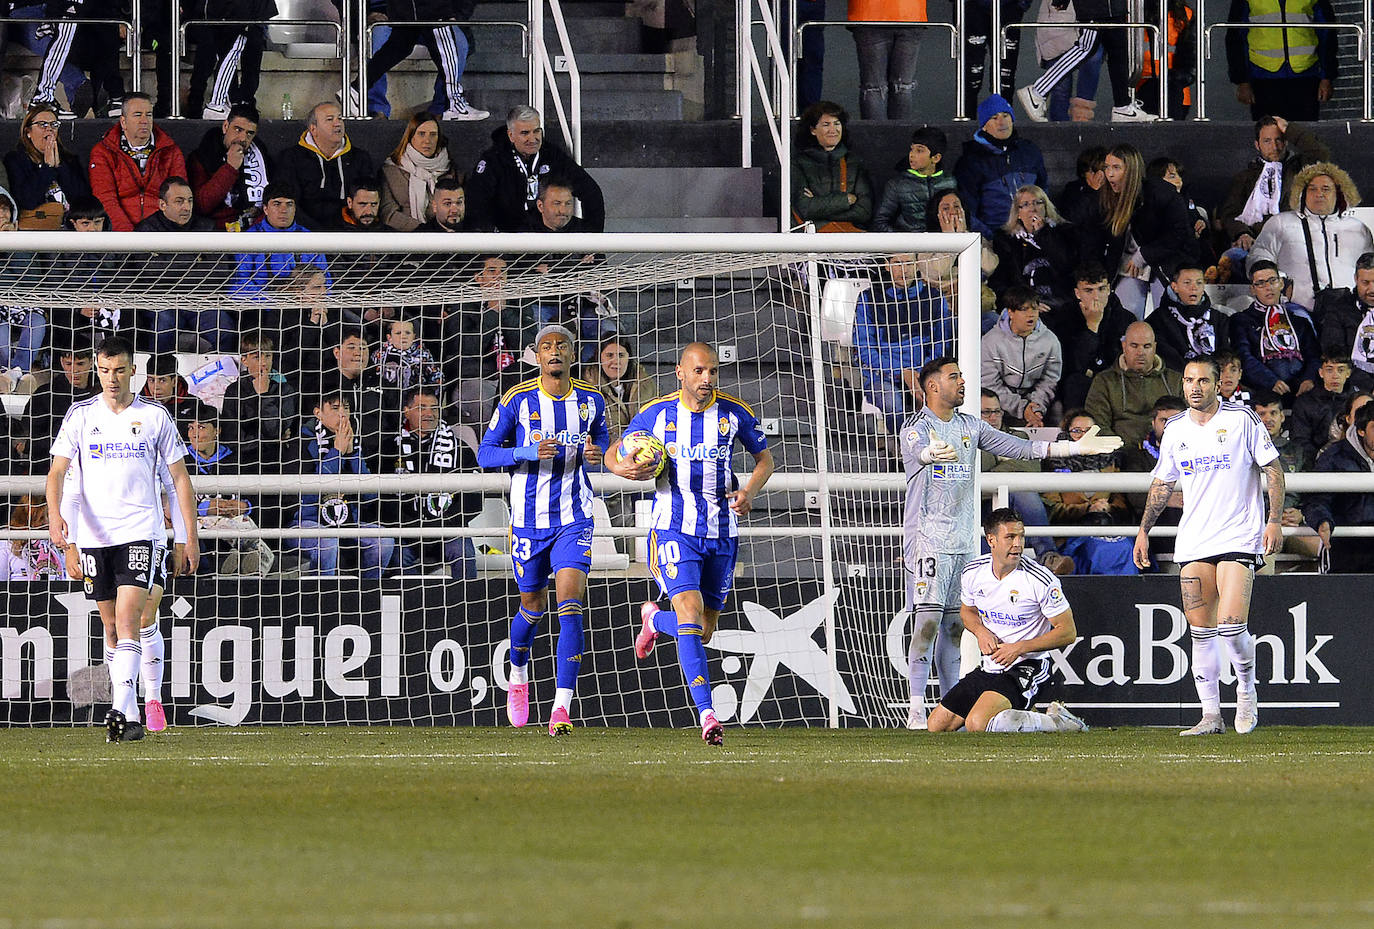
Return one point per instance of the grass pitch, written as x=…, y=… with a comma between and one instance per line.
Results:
x=286, y=828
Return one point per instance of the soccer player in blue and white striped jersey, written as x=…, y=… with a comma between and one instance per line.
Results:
x=694, y=539
x=545, y=432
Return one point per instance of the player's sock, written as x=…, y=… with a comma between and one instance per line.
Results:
x=123, y=674
x=948, y=654
x=1022, y=721
x=523, y=626
x=925, y=623
x=150, y=637
x=1207, y=668
x=109, y=656
x=1240, y=645
x=569, y=647
x=691, y=654
x=665, y=623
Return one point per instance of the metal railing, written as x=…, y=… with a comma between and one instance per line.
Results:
x=1361, y=30
x=543, y=66
x=750, y=77
x=179, y=28
x=1157, y=29
x=955, y=46
x=132, y=36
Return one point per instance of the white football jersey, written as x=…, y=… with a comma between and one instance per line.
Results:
x=1217, y=465
x=119, y=456
x=1015, y=608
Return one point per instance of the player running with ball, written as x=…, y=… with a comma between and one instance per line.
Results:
x=698, y=500
x=545, y=432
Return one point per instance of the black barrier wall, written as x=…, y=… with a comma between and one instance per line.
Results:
x=434, y=653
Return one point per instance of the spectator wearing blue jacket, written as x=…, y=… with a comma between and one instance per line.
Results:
x=256, y=272
x=994, y=163
x=899, y=324
x=1352, y=454
x=329, y=445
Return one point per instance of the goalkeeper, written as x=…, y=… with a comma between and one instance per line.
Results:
x=939, y=526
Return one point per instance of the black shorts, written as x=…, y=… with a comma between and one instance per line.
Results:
x=1249, y=559
x=1019, y=684
x=132, y=564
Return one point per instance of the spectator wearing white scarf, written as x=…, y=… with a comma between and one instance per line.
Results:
x=411, y=172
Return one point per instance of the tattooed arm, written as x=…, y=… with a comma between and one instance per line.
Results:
x=1274, y=486
x=1160, y=491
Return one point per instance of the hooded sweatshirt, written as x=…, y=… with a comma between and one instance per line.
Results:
x=1345, y=509
x=1122, y=402
x=321, y=181
x=1021, y=369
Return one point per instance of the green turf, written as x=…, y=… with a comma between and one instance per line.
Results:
x=649, y=828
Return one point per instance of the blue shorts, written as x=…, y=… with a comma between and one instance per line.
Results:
x=687, y=562
x=538, y=554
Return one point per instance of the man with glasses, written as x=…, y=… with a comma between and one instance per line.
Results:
x=1275, y=339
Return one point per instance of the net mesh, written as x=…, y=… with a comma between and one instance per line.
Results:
x=392, y=606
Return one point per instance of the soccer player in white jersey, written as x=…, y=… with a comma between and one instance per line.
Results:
x=697, y=502
x=121, y=442
x=1217, y=451
x=940, y=523
x=151, y=661
x=1016, y=609
x=545, y=432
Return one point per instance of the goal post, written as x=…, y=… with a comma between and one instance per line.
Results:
x=782, y=309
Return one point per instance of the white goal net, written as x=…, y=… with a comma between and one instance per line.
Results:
x=365, y=579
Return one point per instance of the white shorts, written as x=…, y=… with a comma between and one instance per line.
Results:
x=932, y=579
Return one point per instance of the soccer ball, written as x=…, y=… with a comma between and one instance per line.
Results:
x=644, y=448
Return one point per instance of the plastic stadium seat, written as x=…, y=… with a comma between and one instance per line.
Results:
x=492, y=550
x=605, y=555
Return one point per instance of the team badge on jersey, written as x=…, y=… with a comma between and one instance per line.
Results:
x=585, y=412
x=922, y=587
x=968, y=442
x=135, y=427
x=724, y=425
x=1013, y=595
x=1221, y=436
x=670, y=570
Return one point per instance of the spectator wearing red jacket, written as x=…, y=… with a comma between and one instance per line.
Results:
x=129, y=164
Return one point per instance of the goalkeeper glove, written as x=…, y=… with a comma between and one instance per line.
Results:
x=1090, y=444
x=937, y=450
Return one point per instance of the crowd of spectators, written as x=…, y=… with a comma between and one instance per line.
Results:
x=285, y=380
x=1094, y=299
x=1094, y=304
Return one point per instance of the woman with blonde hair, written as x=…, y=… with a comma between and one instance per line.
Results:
x=1035, y=248
x=411, y=172
x=1139, y=228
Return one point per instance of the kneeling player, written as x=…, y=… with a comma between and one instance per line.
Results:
x=1017, y=610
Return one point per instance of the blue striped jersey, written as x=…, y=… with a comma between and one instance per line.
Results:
x=691, y=497
x=553, y=492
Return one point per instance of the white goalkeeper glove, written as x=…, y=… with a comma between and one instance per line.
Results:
x=1090, y=444
x=937, y=450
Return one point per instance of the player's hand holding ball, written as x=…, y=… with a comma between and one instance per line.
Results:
x=644, y=454
x=938, y=450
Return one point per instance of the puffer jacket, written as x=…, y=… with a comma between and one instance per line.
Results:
x=1021, y=369
x=128, y=194
x=830, y=176
x=905, y=197
x=989, y=173
x=1337, y=241
x=1122, y=402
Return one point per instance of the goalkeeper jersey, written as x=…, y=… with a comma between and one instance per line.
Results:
x=553, y=492
x=692, y=493
x=941, y=511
